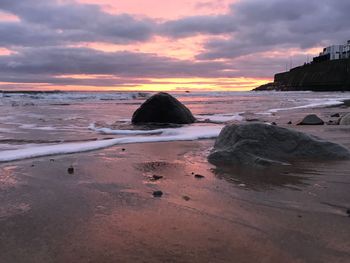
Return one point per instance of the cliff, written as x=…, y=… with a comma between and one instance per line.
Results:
x=331, y=75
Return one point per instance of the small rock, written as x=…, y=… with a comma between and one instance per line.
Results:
x=273, y=123
x=299, y=216
x=123, y=149
x=199, y=176
x=348, y=212
x=345, y=120
x=290, y=122
x=70, y=170
x=252, y=120
x=52, y=160
x=32, y=165
x=192, y=173
x=156, y=177
x=186, y=198
x=336, y=115
x=157, y=193
x=311, y=119
x=330, y=122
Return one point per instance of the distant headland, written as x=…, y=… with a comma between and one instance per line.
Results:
x=330, y=71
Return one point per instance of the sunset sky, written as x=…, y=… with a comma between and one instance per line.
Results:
x=161, y=45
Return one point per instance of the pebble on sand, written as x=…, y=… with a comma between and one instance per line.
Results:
x=157, y=193
x=199, y=176
x=186, y=198
x=70, y=170
x=156, y=177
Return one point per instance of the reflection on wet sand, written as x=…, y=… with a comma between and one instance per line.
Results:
x=264, y=178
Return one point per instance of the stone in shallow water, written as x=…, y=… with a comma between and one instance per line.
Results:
x=259, y=144
x=345, y=120
x=311, y=119
x=162, y=108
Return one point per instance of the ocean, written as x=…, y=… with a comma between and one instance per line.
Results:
x=29, y=121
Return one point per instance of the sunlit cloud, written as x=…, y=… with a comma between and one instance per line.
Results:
x=185, y=48
x=160, y=9
x=162, y=45
x=8, y=17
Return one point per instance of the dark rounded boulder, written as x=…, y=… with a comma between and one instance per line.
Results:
x=162, y=108
x=258, y=144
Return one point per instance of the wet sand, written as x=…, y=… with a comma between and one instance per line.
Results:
x=105, y=210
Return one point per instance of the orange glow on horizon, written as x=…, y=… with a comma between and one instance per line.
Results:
x=184, y=84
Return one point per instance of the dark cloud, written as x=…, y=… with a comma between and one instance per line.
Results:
x=46, y=65
x=49, y=23
x=43, y=65
x=187, y=27
x=255, y=26
x=104, y=81
x=238, y=41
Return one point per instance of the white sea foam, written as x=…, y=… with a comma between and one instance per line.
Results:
x=124, y=132
x=220, y=118
x=22, y=99
x=24, y=126
x=188, y=133
x=316, y=103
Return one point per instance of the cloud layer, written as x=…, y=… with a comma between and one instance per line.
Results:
x=252, y=39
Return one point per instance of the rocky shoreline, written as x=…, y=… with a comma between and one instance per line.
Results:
x=332, y=75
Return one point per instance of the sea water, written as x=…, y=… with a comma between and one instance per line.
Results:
x=40, y=124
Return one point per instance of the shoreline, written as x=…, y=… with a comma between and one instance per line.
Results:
x=104, y=210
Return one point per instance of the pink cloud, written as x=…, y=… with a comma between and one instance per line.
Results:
x=8, y=17
x=163, y=9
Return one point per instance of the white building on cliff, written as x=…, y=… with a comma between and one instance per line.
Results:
x=337, y=51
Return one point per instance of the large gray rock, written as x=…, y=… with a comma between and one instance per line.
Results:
x=345, y=120
x=311, y=119
x=263, y=144
x=162, y=108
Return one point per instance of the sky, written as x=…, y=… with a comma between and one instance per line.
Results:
x=161, y=45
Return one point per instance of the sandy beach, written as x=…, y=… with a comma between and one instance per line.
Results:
x=105, y=211
x=187, y=131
